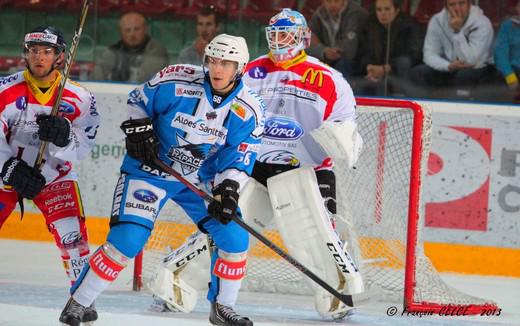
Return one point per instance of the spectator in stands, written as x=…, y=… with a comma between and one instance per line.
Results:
x=208, y=25
x=457, y=49
x=136, y=57
x=391, y=44
x=335, y=27
x=507, y=52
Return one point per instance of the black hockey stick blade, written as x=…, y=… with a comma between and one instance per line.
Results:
x=345, y=298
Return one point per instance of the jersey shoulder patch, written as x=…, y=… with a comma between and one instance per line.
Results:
x=185, y=74
x=8, y=81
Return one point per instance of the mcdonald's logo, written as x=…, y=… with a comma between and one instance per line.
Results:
x=313, y=74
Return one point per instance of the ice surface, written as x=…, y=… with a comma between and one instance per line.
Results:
x=33, y=290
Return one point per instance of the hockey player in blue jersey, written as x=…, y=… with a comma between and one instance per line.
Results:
x=206, y=124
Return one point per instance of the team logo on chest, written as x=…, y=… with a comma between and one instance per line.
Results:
x=189, y=156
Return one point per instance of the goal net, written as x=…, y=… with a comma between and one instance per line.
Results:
x=380, y=214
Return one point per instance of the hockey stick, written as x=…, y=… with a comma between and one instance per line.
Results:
x=66, y=72
x=345, y=298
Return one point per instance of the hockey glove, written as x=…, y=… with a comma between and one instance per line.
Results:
x=141, y=142
x=26, y=180
x=54, y=129
x=224, y=207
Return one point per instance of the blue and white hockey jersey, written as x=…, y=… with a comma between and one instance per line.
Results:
x=202, y=136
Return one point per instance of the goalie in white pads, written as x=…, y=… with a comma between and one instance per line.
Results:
x=306, y=102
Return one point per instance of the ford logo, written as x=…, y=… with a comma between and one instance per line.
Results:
x=282, y=128
x=145, y=195
x=66, y=108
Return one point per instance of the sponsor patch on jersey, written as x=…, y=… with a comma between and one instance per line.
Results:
x=8, y=79
x=21, y=103
x=186, y=91
x=199, y=126
x=239, y=110
x=145, y=195
x=135, y=96
x=66, y=108
x=279, y=157
x=143, y=199
x=257, y=72
x=282, y=129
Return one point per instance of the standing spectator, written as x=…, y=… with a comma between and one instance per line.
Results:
x=26, y=101
x=457, y=48
x=335, y=27
x=136, y=57
x=507, y=52
x=208, y=25
x=384, y=57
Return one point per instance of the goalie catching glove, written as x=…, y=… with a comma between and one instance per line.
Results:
x=54, y=129
x=26, y=180
x=141, y=142
x=225, y=205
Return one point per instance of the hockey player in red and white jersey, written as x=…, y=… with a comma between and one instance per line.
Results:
x=26, y=101
x=310, y=122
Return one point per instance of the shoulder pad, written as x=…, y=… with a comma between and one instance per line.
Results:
x=7, y=81
x=178, y=73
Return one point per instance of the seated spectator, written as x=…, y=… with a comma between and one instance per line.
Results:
x=391, y=45
x=507, y=52
x=136, y=57
x=208, y=25
x=457, y=49
x=335, y=27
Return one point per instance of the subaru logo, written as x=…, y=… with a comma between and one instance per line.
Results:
x=145, y=195
x=282, y=128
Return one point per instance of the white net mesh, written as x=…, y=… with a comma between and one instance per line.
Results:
x=373, y=201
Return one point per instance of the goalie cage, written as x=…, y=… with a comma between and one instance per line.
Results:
x=379, y=210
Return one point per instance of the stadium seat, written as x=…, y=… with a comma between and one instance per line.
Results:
x=39, y=5
x=308, y=8
x=497, y=11
x=154, y=7
x=262, y=10
x=226, y=8
x=427, y=9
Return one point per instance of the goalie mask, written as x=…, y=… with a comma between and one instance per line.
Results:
x=287, y=34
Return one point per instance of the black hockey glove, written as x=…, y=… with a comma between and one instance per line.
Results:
x=141, y=142
x=54, y=129
x=327, y=184
x=26, y=180
x=225, y=205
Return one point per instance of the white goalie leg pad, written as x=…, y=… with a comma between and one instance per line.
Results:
x=184, y=272
x=340, y=140
x=255, y=205
x=305, y=227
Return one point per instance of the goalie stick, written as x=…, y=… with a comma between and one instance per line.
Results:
x=345, y=298
x=66, y=72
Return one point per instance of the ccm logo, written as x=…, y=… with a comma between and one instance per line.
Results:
x=135, y=130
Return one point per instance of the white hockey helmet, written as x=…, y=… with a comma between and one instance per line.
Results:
x=228, y=47
x=296, y=34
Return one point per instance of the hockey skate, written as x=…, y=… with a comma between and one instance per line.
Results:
x=89, y=316
x=73, y=313
x=225, y=316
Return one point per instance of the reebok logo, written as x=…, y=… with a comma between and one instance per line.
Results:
x=9, y=170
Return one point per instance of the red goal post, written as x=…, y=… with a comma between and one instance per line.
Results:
x=380, y=214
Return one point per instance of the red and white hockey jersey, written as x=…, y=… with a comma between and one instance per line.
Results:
x=299, y=95
x=21, y=100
